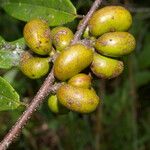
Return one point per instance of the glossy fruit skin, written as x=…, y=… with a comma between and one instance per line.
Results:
x=80, y=80
x=61, y=37
x=34, y=67
x=37, y=36
x=105, y=67
x=110, y=19
x=115, y=44
x=78, y=99
x=72, y=60
x=55, y=106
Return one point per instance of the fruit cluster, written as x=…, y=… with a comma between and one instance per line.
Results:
x=107, y=29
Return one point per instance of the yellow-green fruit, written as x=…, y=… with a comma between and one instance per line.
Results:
x=37, y=36
x=110, y=18
x=115, y=44
x=55, y=105
x=34, y=67
x=61, y=37
x=72, y=60
x=105, y=67
x=80, y=80
x=77, y=99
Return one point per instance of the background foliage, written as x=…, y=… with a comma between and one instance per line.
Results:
x=121, y=122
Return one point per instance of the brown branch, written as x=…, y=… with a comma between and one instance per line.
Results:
x=82, y=27
x=45, y=89
x=37, y=100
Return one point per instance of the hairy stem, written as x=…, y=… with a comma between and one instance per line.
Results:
x=37, y=100
x=84, y=23
x=45, y=89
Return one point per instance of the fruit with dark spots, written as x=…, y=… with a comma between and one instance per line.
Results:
x=34, y=67
x=37, y=36
x=72, y=60
x=55, y=106
x=105, y=67
x=110, y=19
x=77, y=99
x=115, y=44
x=80, y=80
x=61, y=37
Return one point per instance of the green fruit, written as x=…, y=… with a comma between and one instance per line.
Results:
x=105, y=67
x=72, y=60
x=37, y=36
x=80, y=80
x=115, y=44
x=78, y=99
x=34, y=67
x=108, y=19
x=55, y=106
x=61, y=37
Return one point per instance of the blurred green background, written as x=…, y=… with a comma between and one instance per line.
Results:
x=122, y=121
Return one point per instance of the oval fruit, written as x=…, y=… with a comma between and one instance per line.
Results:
x=37, y=36
x=78, y=99
x=108, y=19
x=61, y=37
x=35, y=67
x=115, y=44
x=72, y=60
x=55, y=106
x=105, y=67
x=80, y=80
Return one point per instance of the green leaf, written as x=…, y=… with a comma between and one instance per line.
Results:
x=142, y=78
x=8, y=59
x=10, y=53
x=10, y=75
x=9, y=99
x=1, y=40
x=56, y=12
x=19, y=43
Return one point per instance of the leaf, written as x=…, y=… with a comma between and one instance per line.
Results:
x=10, y=53
x=56, y=12
x=19, y=43
x=8, y=59
x=1, y=40
x=142, y=78
x=10, y=75
x=9, y=99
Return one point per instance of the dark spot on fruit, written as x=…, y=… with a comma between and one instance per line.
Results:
x=70, y=102
x=112, y=17
x=112, y=29
x=91, y=101
x=33, y=75
x=37, y=47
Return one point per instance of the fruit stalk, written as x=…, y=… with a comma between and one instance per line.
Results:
x=45, y=89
